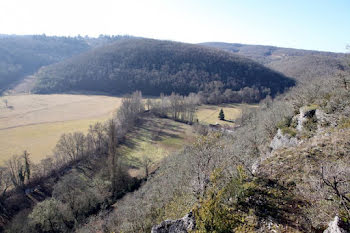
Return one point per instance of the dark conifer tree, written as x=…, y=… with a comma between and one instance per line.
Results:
x=221, y=115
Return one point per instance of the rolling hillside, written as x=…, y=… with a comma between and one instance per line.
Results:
x=301, y=64
x=24, y=55
x=155, y=67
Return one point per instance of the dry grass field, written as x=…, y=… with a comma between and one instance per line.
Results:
x=155, y=139
x=208, y=114
x=35, y=122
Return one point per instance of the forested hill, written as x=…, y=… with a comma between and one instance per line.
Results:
x=303, y=65
x=24, y=55
x=155, y=67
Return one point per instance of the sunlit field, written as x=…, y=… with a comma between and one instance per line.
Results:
x=35, y=122
x=154, y=139
x=209, y=114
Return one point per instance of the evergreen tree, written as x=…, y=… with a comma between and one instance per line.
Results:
x=221, y=115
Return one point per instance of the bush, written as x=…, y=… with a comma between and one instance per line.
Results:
x=51, y=216
x=79, y=194
x=219, y=211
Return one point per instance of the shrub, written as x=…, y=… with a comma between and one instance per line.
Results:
x=51, y=216
x=219, y=211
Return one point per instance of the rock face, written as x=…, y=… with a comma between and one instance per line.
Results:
x=182, y=225
x=304, y=114
x=283, y=140
x=279, y=141
x=333, y=226
x=323, y=119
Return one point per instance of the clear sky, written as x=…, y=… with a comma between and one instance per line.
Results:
x=308, y=24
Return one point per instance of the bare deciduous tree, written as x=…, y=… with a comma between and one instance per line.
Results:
x=97, y=138
x=336, y=177
x=112, y=155
x=71, y=146
x=15, y=166
x=146, y=163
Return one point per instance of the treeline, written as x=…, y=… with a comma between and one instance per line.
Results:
x=216, y=93
x=86, y=173
x=183, y=108
x=156, y=67
x=175, y=106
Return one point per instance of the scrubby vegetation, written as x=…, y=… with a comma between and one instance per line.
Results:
x=155, y=67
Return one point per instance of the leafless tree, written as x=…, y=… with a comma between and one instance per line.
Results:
x=47, y=165
x=204, y=156
x=97, y=138
x=146, y=163
x=71, y=146
x=112, y=155
x=4, y=181
x=336, y=177
x=343, y=80
x=15, y=169
x=128, y=112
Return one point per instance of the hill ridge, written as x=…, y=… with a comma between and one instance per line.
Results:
x=154, y=67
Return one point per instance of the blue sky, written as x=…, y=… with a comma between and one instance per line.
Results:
x=308, y=24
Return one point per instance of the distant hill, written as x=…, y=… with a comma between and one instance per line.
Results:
x=300, y=64
x=155, y=67
x=24, y=55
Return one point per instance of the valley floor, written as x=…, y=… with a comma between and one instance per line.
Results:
x=208, y=114
x=35, y=122
x=153, y=140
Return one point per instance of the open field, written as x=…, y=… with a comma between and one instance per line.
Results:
x=35, y=122
x=155, y=139
x=208, y=114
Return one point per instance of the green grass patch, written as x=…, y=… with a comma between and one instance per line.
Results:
x=311, y=107
x=209, y=114
x=344, y=123
x=154, y=139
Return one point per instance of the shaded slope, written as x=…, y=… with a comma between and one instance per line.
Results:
x=23, y=55
x=155, y=67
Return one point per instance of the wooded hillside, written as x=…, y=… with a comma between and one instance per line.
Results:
x=24, y=55
x=155, y=67
x=304, y=65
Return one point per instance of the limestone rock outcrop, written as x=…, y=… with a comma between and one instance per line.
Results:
x=333, y=226
x=182, y=225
